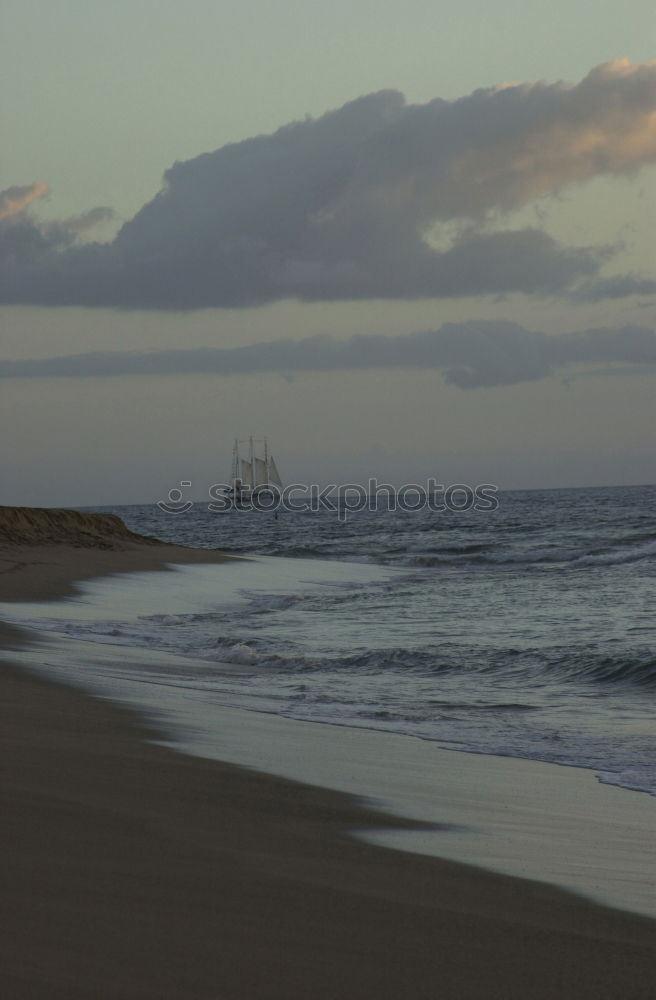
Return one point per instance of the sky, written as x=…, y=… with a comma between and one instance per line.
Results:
x=403, y=241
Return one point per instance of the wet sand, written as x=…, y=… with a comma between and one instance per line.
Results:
x=134, y=871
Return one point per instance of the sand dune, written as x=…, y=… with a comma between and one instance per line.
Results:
x=44, y=551
x=53, y=526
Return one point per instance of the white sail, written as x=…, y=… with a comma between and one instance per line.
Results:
x=246, y=473
x=274, y=475
x=261, y=478
x=256, y=474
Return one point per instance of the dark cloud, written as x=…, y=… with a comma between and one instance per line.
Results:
x=348, y=206
x=468, y=354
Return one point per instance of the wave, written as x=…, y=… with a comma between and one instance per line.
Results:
x=535, y=668
x=613, y=558
x=217, y=638
x=613, y=555
x=637, y=668
x=475, y=554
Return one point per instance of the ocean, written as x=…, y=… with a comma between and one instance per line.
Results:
x=528, y=631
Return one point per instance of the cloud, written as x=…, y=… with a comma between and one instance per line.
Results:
x=617, y=287
x=15, y=200
x=469, y=355
x=27, y=244
x=355, y=204
x=87, y=220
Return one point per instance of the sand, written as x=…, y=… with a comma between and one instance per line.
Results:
x=44, y=551
x=130, y=870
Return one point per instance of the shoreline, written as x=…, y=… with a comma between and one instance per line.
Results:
x=550, y=823
x=139, y=871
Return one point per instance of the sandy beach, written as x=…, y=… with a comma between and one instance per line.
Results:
x=44, y=552
x=131, y=870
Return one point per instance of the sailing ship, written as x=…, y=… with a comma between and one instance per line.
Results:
x=255, y=478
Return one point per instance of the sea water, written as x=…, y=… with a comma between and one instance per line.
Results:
x=526, y=632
